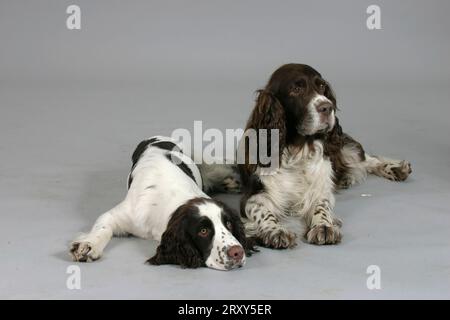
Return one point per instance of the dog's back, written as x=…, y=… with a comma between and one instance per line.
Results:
x=161, y=179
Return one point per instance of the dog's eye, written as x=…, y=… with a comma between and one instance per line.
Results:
x=229, y=225
x=296, y=90
x=203, y=232
x=298, y=87
x=322, y=87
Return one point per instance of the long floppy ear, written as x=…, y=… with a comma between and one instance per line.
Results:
x=329, y=93
x=238, y=231
x=333, y=140
x=268, y=113
x=176, y=246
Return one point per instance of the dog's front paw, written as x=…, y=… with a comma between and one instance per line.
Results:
x=397, y=171
x=324, y=234
x=83, y=251
x=231, y=185
x=346, y=182
x=278, y=239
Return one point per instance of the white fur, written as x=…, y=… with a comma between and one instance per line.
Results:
x=395, y=170
x=312, y=123
x=159, y=187
x=302, y=185
x=219, y=245
x=357, y=169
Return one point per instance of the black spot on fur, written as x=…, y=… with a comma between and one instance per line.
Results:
x=237, y=228
x=166, y=145
x=154, y=142
x=180, y=164
x=140, y=149
x=130, y=179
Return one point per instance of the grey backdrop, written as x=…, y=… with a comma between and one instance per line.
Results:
x=75, y=103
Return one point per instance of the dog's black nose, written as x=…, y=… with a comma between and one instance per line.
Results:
x=324, y=107
x=236, y=253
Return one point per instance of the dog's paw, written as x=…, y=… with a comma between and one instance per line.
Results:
x=346, y=182
x=337, y=222
x=397, y=171
x=324, y=234
x=231, y=185
x=278, y=239
x=84, y=251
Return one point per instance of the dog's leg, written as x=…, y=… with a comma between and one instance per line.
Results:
x=89, y=247
x=394, y=170
x=353, y=166
x=263, y=224
x=324, y=227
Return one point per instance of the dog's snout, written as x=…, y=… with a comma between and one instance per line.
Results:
x=324, y=108
x=236, y=253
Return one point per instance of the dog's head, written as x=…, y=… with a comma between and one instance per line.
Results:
x=297, y=101
x=203, y=232
x=307, y=100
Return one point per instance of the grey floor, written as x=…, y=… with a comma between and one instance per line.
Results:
x=75, y=103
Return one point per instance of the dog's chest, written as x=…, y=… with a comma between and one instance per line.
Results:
x=302, y=174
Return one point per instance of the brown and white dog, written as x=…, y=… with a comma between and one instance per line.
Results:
x=165, y=202
x=315, y=158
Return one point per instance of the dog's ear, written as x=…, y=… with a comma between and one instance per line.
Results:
x=238, y=230
x=268, y=114
x=176, y=246
x=334, y=139
x=329, y=93
x=176, y=249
